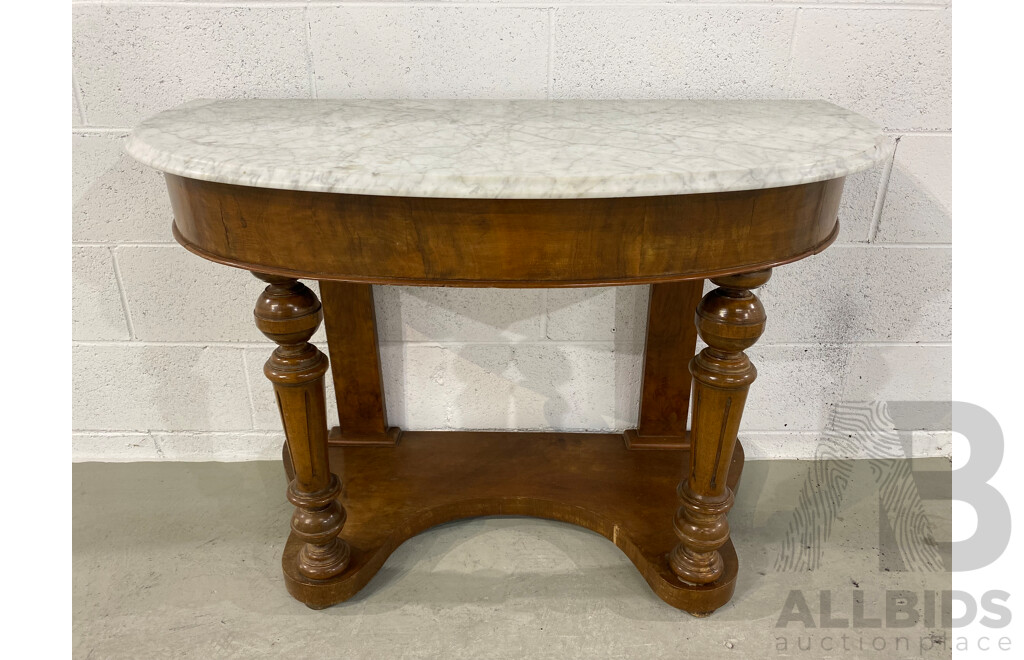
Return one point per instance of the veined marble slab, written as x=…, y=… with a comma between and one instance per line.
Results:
x=509, y=149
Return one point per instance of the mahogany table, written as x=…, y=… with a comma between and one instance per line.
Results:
x=509, y=194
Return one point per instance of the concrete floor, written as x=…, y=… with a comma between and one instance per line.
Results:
x=183, y=560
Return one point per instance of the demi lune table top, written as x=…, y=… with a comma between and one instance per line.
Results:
x=508, y=149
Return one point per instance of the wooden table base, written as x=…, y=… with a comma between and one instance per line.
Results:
x=592, y=480
x=661, y=492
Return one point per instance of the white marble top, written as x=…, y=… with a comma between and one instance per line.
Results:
x=509, y=149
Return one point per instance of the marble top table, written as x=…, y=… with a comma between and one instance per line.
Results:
x=509, y=194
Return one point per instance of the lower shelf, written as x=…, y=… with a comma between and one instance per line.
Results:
x=588, y=479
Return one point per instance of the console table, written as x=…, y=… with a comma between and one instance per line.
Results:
x=509, y=194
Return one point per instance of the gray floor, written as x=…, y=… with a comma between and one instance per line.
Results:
x=183, y=560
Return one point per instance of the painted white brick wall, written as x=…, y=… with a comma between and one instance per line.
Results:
x=167, y=364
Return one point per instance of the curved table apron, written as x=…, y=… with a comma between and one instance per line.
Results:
x=660, y=492
x=504, y=242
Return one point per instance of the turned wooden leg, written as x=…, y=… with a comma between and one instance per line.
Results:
x=729, y=320
x=289, y=313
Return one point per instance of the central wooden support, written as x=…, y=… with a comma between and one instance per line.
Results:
x=587, y=479
x=351, y=325
x=671, y=343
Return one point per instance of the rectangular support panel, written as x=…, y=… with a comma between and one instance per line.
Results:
x=351, y=325
x=671, y=344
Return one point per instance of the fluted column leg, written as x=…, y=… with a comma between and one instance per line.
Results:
x=289, y=313
x=729, y=319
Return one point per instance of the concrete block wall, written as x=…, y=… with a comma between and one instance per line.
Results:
x=167, y=363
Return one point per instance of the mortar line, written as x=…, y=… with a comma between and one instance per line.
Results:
x=123, y=295
x=134, y=432
x=79, y=100
x=610, y=344
x=896, y=246
x=110, y=343
x=310, y=69
x=916, y=6
x=551, y=52
x=98, y=130
x=883, y=190
x=248, y=387
x=115, y=244
x=938, y=132
x=274, y=434
x=87, y=129
x=545, y=321
x=792, y=50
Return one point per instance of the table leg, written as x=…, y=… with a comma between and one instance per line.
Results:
x=729, y=319
x=288, y=312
